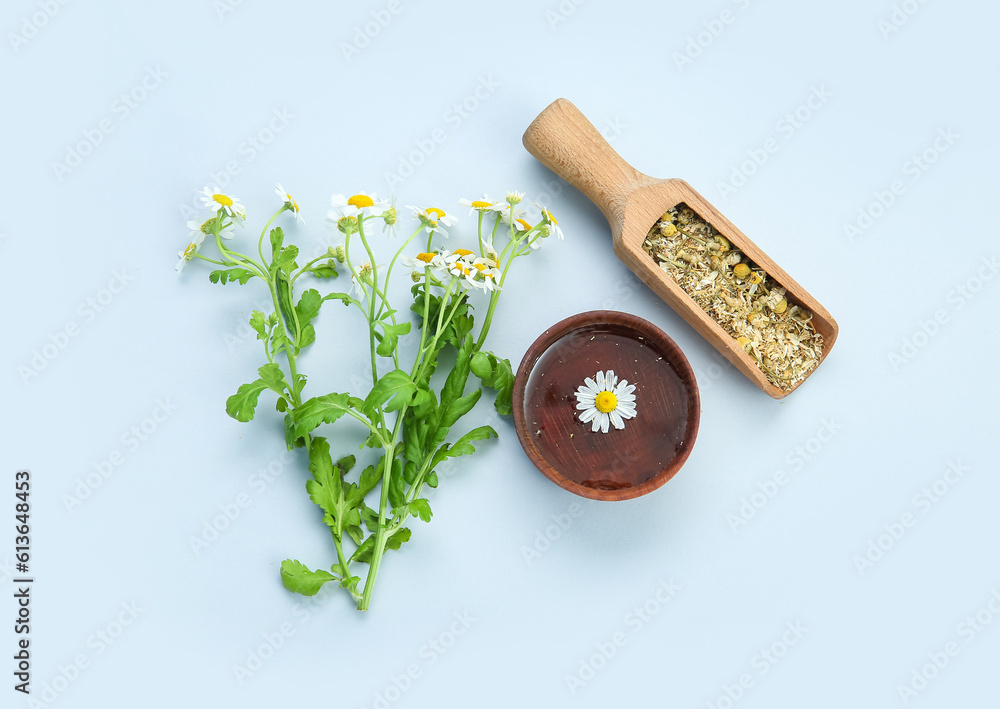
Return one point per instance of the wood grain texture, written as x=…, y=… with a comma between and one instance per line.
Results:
x=567, y=143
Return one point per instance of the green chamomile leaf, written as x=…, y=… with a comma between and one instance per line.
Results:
x=273, y=377
x=421, y=508
x=498, y=375
x=463, y=446
x=285, y=259
x=395, y=390
x=277, y=239
x=297, y=577
x=258, y=324
x=342, y=297
x=240, y=275
x=324, y=271
x=242, y=404
x=309, y=305
x=397, y=486
x=365, y=551
x=322, y=409
x=459, y=408
x=389, y=338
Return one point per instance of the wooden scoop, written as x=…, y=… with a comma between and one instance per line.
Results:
x=568, y=144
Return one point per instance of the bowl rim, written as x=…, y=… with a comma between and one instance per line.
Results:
x=649, y=331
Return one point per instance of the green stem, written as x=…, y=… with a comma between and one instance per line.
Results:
x=210, y=260
x=305, y=269
x=386, y=529
x=388, y=272
x=260, y=240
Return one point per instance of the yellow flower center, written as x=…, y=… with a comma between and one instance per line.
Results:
x=606, y=402
x=548, y=215
x=223, y=200
x=360, y=201
x=189, y=251
x=527, y=227
x=425, y=257
x=462, y=252
x=479, y=204
x=435, y=212
x=479, y=266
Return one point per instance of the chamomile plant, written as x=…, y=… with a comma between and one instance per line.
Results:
x=408, y=415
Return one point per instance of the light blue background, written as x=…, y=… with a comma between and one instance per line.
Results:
x=180, y=341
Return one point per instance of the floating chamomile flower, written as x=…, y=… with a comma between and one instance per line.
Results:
x=606, y=401
x=215, y=200
x=206, y=228
x=359, y=205
x=483, y=205
x=293, y=206
x=432, y=218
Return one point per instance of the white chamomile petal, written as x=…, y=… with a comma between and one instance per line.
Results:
x=605, y=402
x=483, y=205
x=215, y=200
x=293, y=206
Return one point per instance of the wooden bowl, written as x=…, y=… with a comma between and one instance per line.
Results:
x=622, y=463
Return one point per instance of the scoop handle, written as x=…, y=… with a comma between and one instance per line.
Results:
x=567, y=143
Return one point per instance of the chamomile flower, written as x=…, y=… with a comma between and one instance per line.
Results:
x=483, y=205
x=187, y=253
x=488, y=273
x=489, y=251
x=359, y=205
x=206, y=228
x=604, y=401
x=215, y=200
x=434, y=260
x=292, y=205
x=514, y=197
x=550, y=221
x=459, y=263
x=363, y=277
x=521, y=225
x=391, y=219
x=347, y=225
x=432, y=218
